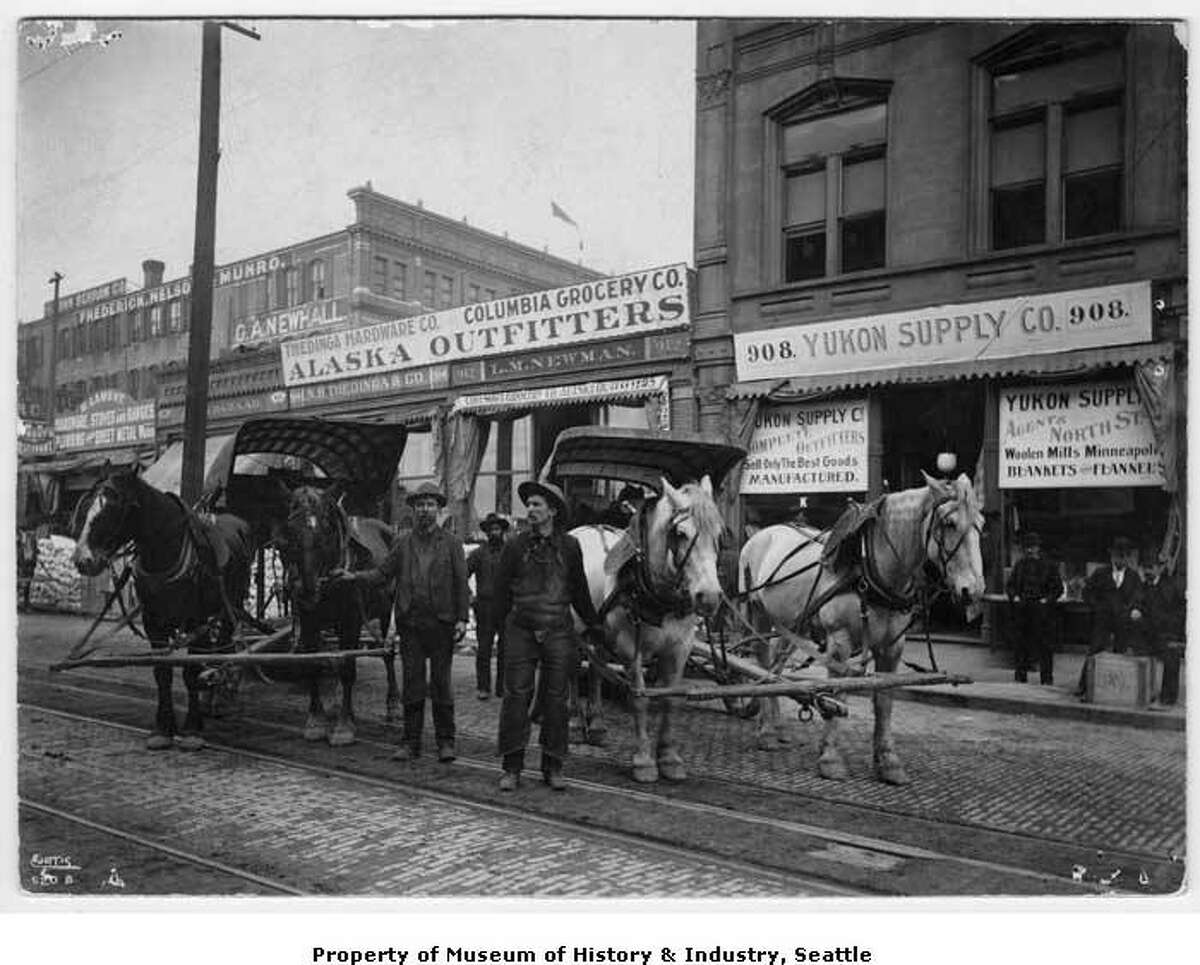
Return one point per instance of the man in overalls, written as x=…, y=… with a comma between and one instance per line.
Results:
x=539, y=579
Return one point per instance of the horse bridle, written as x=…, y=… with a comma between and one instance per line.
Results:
x=934, y=532
x=97, y=491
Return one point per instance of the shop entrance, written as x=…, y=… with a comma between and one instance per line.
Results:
x=920, y=422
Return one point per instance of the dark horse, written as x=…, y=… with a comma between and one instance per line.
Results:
x=191, y=574
x=317, y=538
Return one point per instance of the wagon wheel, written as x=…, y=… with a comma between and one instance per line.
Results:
x=717, y=668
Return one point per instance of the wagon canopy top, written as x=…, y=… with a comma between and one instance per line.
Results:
x=640, y=456
x=365, y=453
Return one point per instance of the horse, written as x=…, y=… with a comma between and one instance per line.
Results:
x=317, y=538
x=855, y=588
x=649, y=584
x=191, y=574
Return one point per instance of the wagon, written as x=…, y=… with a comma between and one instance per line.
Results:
x=251, y=477
x=722, y=665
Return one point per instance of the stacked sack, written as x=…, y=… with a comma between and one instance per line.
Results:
x=56, y=584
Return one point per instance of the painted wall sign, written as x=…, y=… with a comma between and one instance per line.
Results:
x=108, y=418
x=99, y=293
x=808, y=447
x=248, y=269
x=564, y=394
x=945, y=334
x=412, y=380
x=34, y=438
x=286, y=323
x=609, y=308
x=1075, y=436
x=244, y=406
x=142, y=299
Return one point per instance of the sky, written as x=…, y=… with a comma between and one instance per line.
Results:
x=490, y=120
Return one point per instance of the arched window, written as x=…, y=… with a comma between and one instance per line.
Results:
x=316, y=279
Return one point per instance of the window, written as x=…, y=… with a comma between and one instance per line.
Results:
x=135, y=380
x=473, y=294
x=832, y=154
x=175, y=313
x=1056, y=141
x=399, y=280
x=430, y=290
x=316, y=279
x=81, y=340
x=379, y=275
x=156, y=321
x=446, y=295
x=291, y=288
x=489, y=294
x=136, y=332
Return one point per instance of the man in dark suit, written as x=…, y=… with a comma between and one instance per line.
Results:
x=430, y=569
x=1162, y=635
x=1033, y=586
x=1115, y=595
x=482, y=564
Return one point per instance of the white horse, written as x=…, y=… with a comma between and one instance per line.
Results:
x=861, y=600
x=650, y=583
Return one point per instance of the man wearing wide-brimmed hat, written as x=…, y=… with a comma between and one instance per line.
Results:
x=1033, y=586
x=539, y=580
x=1115, y=595
x=431, y=616
x=482, y=564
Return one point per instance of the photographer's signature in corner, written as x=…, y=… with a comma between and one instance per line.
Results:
x=53, y=870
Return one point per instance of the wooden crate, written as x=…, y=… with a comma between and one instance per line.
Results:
x=1122, y=681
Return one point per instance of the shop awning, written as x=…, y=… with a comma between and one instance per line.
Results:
x=166, y=474
x=1062, y=363
x=610, y=390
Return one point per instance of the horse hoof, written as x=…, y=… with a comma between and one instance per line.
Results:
x=159, y=742
x=672, y=771
x=575, y=734
x=191, y=742
x=315, y=729
x=341, y=737
x=646, y=774
x=892, y=773
x=832, y=770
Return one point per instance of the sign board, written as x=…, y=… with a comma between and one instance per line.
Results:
x=947, y=334
x=635, y=304
x=808, y=447
x=564, y=394
x=286, y=323
x=429, y=377
x=1091, y=434
x=237, y=406
x=88, y=296
x=34, y=438
x=583, y=358
x=148, y=296
x=107, y=419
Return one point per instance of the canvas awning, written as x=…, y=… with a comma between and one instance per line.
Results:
x=166, y=474
x=1061, y=363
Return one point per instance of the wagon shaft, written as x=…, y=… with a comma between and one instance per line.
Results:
x=810, y=688
x=210, y=659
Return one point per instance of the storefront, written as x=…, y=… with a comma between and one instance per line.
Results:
x=1061, y=407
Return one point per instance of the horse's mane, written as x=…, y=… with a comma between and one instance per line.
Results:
x=709, y=521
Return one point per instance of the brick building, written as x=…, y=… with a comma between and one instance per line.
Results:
x=919, y=238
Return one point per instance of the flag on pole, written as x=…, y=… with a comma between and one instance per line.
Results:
x=558, y=212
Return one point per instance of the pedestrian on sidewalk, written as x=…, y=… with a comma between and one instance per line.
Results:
x=1162, y=632
x=430, y=569
x=539, y=580
x=1033, y=586
x=1114, y=593
x=482, y=564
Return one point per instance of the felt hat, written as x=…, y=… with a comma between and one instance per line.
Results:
x=493, y=521
x=551, y=492
x=1031, y=539
x=425, y=491
x=630, y=492
x=1121, y=544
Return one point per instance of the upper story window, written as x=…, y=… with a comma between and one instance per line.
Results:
x=399, y=280
x=489, y=294
x=175, y=314
x=291, y=287
x=829, y=209
x=446, y=293
x=136, y=330
x=429, y=292
x=379, y=274
x=81, y=340
x=156, y=321
x=473, y=294
x=316, y=279
x=1055, y=132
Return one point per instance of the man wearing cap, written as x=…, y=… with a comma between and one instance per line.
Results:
x=1033, y=586
x=431, y=616
x=482, y=565
x=539, y=579
x=1115, y=594
x=628, y=504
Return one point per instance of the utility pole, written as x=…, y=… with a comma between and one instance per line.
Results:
x=56, y=281
x=195, y=409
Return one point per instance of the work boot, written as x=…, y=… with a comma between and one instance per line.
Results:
x=510, y=780
x=406, y=752
x=554, y=780
x=445, y=753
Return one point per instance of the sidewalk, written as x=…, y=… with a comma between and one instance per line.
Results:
x=994, y=688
